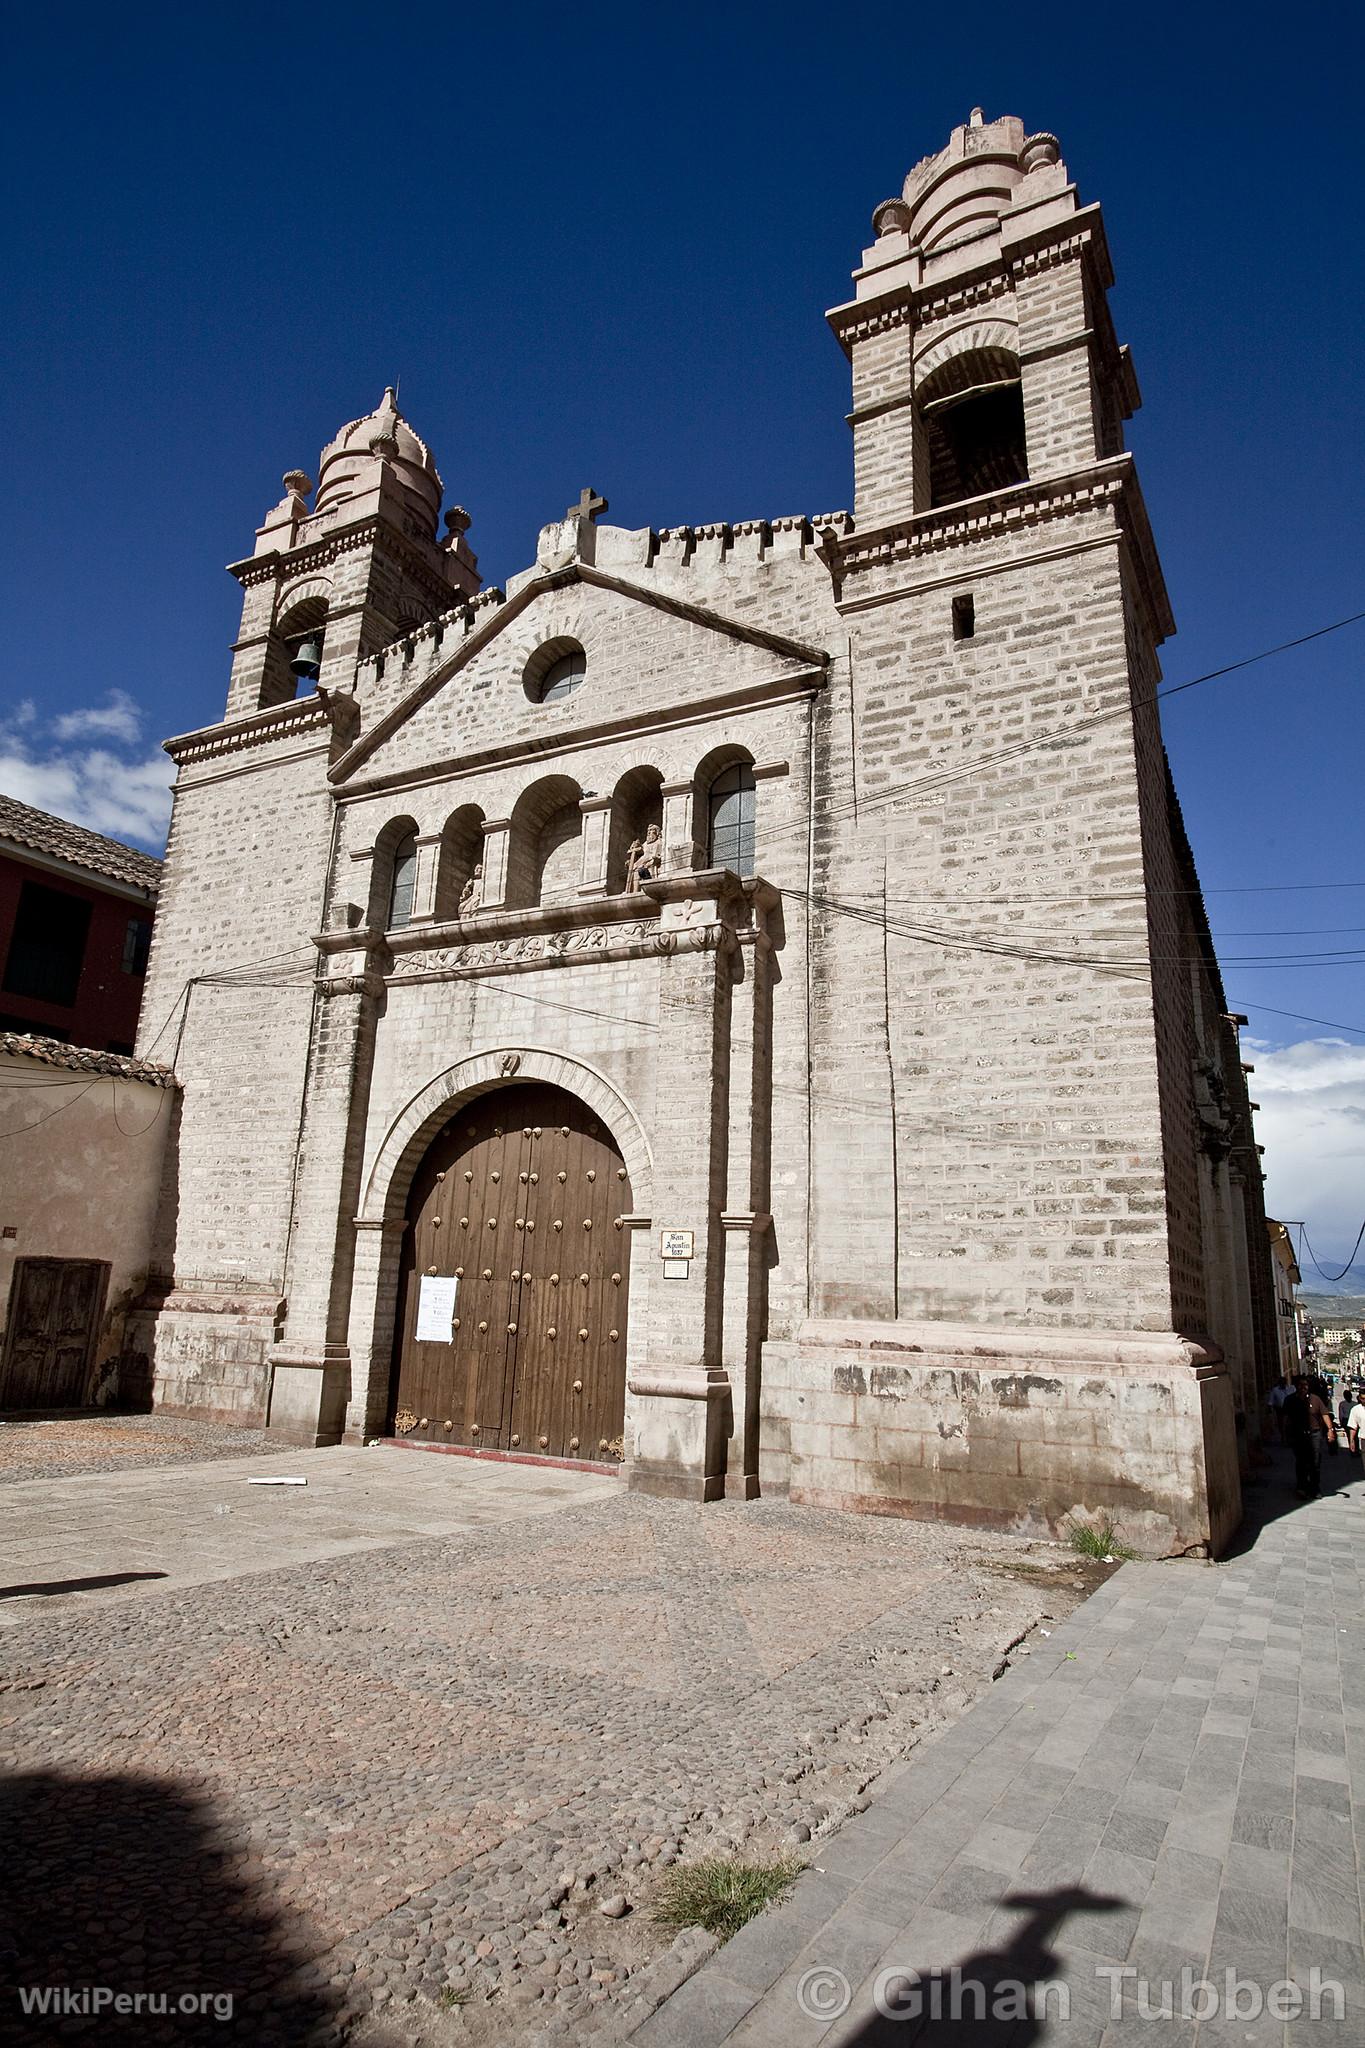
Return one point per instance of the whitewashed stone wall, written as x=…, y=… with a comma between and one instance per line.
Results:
x=932, y=1091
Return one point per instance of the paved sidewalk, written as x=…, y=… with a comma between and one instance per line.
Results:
x=1174, y=1779
x=154, y=1531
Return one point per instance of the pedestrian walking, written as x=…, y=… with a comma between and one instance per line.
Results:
x=1308, y=1425
x=1355, y=1425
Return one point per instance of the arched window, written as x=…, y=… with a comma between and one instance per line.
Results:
x=404, y=882
x=972, y=408
x=730, y=820
x=563, y=678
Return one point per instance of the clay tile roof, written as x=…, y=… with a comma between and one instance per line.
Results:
x=81, y=1059
x=58, y=837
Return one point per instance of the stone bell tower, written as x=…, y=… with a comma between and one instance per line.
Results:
x=982, y=351
x=326, y=587
x=1009, y=1298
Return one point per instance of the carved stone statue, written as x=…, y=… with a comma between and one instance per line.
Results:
x=645, y=859
x=471, y=894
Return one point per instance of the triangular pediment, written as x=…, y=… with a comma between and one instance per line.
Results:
x=650, y=655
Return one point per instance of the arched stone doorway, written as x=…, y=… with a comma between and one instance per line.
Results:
x=520, y=1198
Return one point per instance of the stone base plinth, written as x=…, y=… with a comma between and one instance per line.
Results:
x=676, y=1429
x=208, y=1352
x=1019, y=1429
x=308, y=1398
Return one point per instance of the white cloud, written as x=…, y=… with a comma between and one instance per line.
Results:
x=117, y=788
x=1312, y=1124
x=118, y=718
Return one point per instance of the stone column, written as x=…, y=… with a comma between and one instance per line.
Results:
x=374, y=1305
x=424, y=885
x=497, y=834
x=596, y=812
x=745, y=1220
x=681, y=852
x=311, y=1366
x=677, y=1412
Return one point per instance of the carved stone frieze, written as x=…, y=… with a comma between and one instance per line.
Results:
x=640, y=939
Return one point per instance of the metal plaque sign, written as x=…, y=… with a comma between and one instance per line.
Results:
x=676, y=1244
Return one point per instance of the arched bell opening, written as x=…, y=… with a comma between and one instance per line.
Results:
x=972, y=410
x=514, y=1281
x=301, y=633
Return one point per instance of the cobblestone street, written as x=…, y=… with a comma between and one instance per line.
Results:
x=389, y=1789
x=55, y=1447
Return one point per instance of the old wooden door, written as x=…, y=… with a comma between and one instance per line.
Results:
x=521, y=1198
x=55, y=1307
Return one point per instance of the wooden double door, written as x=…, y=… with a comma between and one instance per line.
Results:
x=520, y=1200
x=55, y=1309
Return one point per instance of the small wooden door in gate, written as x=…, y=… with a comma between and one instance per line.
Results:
x=520, y=1199
x=55, y=1307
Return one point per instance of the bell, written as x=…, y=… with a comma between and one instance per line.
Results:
x=308, y=660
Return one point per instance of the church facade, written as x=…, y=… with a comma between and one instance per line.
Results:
x=735, y=1004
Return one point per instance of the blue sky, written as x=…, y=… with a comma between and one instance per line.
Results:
x=597, y=244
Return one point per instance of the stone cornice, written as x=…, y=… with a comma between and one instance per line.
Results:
x=1107, y=485
x=560, y=579
x=773, y=690
x=301, y=715
x=312, y=556
x=995, y=277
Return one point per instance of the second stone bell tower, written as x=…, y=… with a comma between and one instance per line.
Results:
x=981, y=346
x=326, y=587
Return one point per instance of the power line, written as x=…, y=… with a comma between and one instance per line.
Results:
x=1061, y=735
x=1245, y=1002
x=1332, y=1278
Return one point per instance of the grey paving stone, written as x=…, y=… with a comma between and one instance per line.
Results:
x=1249, y=1915
x=1318, y=1908
x=1262, y=1829
x=706, y=2009
x=1133, y=1833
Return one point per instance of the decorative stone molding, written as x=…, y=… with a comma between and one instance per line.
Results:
x=386, y=1186
x=533, y=949
x=972, y=335
x=301, y=716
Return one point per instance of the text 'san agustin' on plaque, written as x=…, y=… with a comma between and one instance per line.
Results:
x=676, y=1244
x=436, y=1308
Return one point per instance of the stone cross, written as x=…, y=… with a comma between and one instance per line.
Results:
x=588, y=506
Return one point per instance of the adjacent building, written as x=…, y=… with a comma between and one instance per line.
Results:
x=76, y=914
x=733, y=1004
x=1287, y=1277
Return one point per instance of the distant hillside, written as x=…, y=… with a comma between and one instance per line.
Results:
x=1334, y=1308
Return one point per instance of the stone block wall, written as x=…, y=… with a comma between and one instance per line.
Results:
x=945, y=1422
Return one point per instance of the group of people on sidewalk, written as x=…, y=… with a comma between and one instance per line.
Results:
x=1301, y=1410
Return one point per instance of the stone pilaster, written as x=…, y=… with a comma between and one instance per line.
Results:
x=681, y=852
x=311, y=1367
x=746, y=1221
x=677, y=1411
x=596, y=812
x=374, y=1308
x=497, y=838
x=424, y=884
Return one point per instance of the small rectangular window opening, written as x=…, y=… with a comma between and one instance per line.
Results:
x=964, y=616
x=137, y=942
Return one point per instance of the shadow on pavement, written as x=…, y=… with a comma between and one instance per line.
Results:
x=123, y=1884
x=1015, y=1993
x=75, y=1585
x=1270, y=1492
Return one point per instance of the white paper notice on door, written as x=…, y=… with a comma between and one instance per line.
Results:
x=436, y=1308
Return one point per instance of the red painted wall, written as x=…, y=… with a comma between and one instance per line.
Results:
x=105, y=1012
